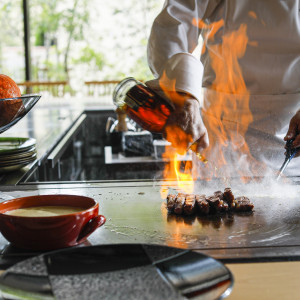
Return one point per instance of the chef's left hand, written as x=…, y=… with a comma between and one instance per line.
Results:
x=294, y=131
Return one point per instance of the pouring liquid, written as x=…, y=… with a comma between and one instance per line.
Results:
x=146, y=108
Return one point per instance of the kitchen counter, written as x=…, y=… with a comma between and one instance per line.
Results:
x=136, y=214
x=261, y=250
x=48, y=121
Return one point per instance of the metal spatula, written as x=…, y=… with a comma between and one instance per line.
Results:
x=290, y=154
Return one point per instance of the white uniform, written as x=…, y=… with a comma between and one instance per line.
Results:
x=270, y=65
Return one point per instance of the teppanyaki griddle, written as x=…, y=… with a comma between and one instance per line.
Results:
x=137, y=213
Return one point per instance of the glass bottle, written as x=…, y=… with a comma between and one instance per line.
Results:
x=142, y=104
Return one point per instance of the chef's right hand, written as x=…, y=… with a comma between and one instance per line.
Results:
x=294, y=131
x=185, y=127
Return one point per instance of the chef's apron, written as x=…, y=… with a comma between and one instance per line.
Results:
x=271, y=73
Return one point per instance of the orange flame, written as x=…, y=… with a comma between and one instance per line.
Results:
x=226, y=112
x=252, y=14
x=175, y=169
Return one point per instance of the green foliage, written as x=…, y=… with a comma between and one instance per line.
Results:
x=47, y=17
x=91, y=57
x=105, y=39
x=55, y=71
x=11, y=27
x=76, y=18
x=140, y=70
x=51, y=18
x=39, y=38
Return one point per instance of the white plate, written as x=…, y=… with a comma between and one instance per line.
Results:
x=9, y=145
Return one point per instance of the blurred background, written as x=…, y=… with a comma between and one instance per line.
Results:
x=75, y=47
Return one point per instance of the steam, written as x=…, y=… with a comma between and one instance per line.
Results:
x=254, y=187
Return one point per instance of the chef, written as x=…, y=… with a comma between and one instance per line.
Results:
x=270, y=66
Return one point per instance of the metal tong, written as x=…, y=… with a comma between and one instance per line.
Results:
x=290, y=154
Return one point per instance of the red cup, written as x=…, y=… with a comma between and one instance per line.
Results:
x=54, y=232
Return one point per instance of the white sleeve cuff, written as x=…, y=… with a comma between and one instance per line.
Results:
x=185, y=70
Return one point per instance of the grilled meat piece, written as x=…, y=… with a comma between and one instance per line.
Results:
x=219, y=194
x=171, y=198
x=229, y=197
x=216, y=204
x=179, y=203
x=202, y=204
x=243, y=204
x=189, y=205
x=213, y=200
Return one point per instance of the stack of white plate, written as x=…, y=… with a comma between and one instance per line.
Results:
x=15, y=153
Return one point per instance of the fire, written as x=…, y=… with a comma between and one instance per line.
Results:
x=174, y=168
x=211, y=29
x=226, y=112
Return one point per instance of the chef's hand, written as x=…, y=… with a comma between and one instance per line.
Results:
x=185, y=127
x=294, y=131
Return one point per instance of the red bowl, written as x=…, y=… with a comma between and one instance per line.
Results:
x=49, y=233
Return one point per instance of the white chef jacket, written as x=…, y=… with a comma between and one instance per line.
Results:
x=270, y=65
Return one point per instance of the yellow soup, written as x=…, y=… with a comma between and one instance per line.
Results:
x=44, y=211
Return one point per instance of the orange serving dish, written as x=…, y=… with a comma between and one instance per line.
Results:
x=50, y=232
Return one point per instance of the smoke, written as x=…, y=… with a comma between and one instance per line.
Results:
x=266, y=186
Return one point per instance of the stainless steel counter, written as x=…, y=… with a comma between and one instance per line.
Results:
x=136, y=213
x=47, y=122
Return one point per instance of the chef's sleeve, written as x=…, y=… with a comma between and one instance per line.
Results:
x=172, y=40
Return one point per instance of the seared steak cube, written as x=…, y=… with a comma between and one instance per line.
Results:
x=219, y=194
x=216, y=204
x=171, y=198
x=179, y=203
x=229, y=197
x=202, y=204
x=189, y=205
x=243, y=204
